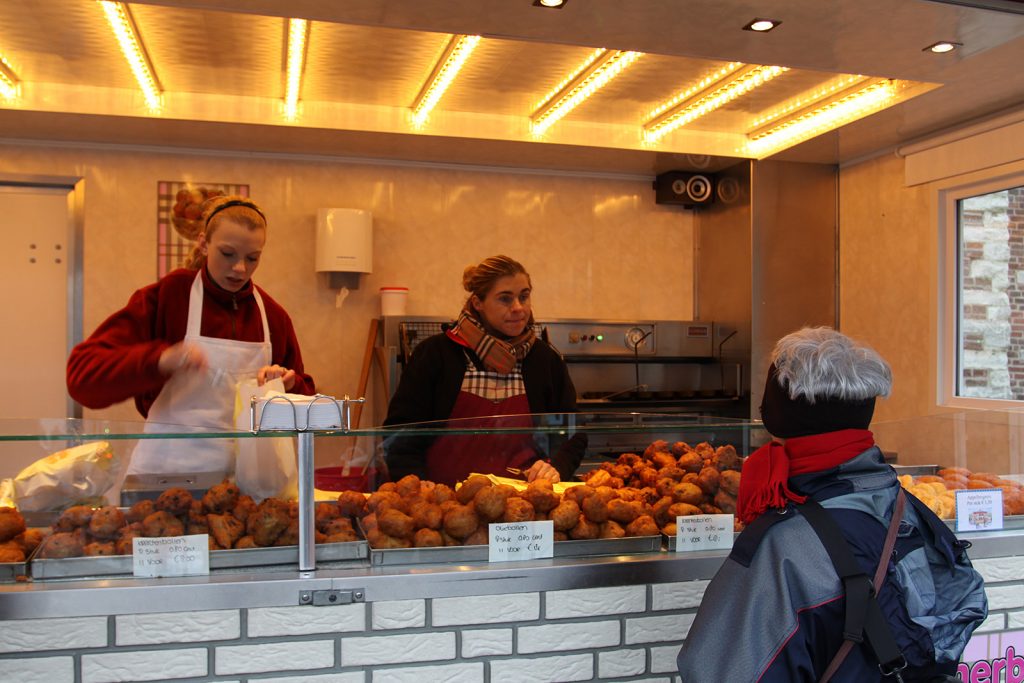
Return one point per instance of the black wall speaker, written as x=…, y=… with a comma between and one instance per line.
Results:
x=686, y=189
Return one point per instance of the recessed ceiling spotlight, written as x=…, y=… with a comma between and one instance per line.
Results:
x=943, y=46
x=550, y=4
x=762, y=25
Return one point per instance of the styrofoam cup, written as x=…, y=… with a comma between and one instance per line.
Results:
x=393, y=300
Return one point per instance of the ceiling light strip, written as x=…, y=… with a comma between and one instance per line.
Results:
x=596, y=76
x=577, y=72
x=459, y=49
x=298, y=39
x=839, y=112
x=9, y=83
x=743, y=82
x=127, y=34
x=702, y=85
x=807, y=100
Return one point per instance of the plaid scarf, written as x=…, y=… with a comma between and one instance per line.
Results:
x=497, y=355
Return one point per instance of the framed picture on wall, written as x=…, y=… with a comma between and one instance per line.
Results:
x=177, y=218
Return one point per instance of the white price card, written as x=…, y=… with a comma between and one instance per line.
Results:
x=979, y=509
x=520, y=541
x=171, y=556
x=704, y=532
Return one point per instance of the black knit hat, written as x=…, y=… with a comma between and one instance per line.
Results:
x=787, y=417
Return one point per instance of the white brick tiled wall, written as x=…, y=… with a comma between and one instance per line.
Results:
x=575, y=636
x=663, y=659
x=1005, y=597
x=591, y=602
x=620, y=663
x=486, y=609
x=395, y=614
x=279, y=656
x=38, y=670
x=658, y=629
x=306, y=619
x=183, y=627
x=151, y=665
x=347, y=677
x=449, y=673
x=1000, y=568
x=994, y=622
x=397, y=649
x=1015, y=620
x=487, y=642
x=543, y=669
x=28, y=635
x=680, y=595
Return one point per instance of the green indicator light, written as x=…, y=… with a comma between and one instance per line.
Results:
x=600, y=337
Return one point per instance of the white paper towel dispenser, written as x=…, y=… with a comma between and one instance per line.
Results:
x=344, y=241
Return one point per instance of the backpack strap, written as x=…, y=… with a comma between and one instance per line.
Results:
x=863, y=615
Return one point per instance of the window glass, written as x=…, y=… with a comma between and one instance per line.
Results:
x=990, y=314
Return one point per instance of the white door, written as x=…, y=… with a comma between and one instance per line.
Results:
x=36, y=233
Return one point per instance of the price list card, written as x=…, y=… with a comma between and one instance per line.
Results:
x=171, y=556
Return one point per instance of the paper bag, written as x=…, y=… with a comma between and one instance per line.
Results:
x=264, y=467
x=79, y=474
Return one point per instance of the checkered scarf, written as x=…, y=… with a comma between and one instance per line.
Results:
x=497, y=355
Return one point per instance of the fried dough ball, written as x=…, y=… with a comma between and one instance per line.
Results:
x=74, y=517
x=99, y=548
x=631, y=459
x=489, y=502
x=630, y=494
x=725, y=502
x=585, y=530
x=11, y=524
x=60, y=545
x=986, y=476
x=957, y=471
x=540, y=495
x=30, y=539
x=659, y=446
x=442, y=493
x=290, y=535
x=268, y=521
x=611, y=529
x=460, y=521
x=469, y=488
x=660, y=511
x=427, y=538
x=176, y=501
x=644, y=525
x=560, y=536
x=663, y=460
x=664, y=486
x=325, y=513
x=245, y=506
x=336, y=526
x=730, y=482
x=578, y=493
x=245, y=542
x=682, y=510
x=221, y=498
x=479, y=537
x=11, y=551
x=691, y=462
x=351, y=504
x=226, y=529
x=624, y=512
x=646, y=476
x=708, y=480
x=687, y=493
x=680, y=448
x=618, y=471
x=106, y=522
x=139, y=511
x=162, y=523
x=382, y=541
x=342, y=536
x=726, y=458
x=123, y=545
x=396, y=523
x=427, y=515
x=595, y=506
x=381, y=499
x=518, y=510
x=669, y=529
x=408, y=486
x=705, y=450
x=369, y=521
x=566, y=515
x=596, y=478
x=709, y=509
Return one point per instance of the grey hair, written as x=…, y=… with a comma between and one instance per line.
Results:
x=819, y=362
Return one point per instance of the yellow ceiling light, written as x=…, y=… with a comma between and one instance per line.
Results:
x=447, y=68
x=121, y=22
x=690, y=109
x=700, y=86
x=9, y=83
x=594, y=76
x=805, y=100
x=298, y=38
x=584, y=65
x=840, y=111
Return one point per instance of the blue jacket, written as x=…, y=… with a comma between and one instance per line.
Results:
x=774, y=611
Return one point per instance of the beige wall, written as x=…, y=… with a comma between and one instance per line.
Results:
x=595, y=246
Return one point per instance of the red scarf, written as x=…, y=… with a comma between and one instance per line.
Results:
x=766, y=472
x=497, y=355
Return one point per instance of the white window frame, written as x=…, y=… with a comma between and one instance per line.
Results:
x=947, y=194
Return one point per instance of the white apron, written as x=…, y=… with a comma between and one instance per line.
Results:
x=200, y=400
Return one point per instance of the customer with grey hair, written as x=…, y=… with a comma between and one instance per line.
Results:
x=794, y=601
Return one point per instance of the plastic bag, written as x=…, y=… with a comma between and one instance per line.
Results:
x=72, y=475
x=264, y=467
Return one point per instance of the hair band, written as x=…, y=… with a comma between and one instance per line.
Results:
x=235, y=202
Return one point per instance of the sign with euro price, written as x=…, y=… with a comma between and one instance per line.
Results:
x=704, y=532
x=171, y=556
x=979, y=509
x=520, y=541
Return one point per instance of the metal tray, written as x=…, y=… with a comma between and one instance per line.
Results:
x=10, y=571
x=478, y=553
x=113, y=565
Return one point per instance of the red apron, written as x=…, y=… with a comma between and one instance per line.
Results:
x=452, y=458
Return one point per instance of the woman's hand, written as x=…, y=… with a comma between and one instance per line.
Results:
x=542, y=470
x=269, y=372
x=181, y=357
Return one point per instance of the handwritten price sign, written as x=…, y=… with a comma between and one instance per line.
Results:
x=520, y=541
x=171, y=556
x=704, y=532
